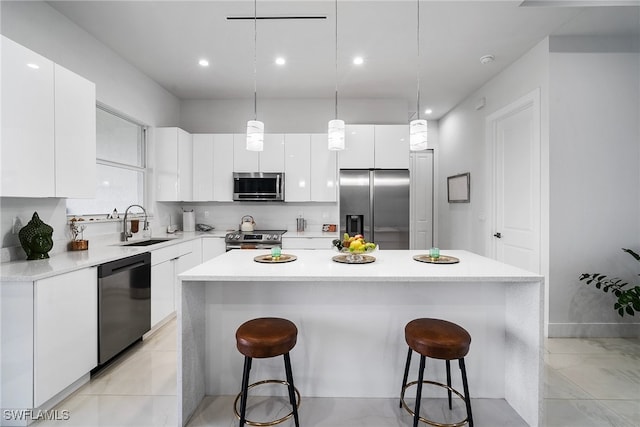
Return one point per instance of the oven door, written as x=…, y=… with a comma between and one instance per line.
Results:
x=250, y=246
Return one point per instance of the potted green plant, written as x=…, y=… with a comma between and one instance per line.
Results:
x=628, y=298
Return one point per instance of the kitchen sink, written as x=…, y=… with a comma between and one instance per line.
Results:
x=146, y=242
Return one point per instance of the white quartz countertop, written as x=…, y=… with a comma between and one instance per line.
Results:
x=64, y=262
x=310, y=234
x=390, y=265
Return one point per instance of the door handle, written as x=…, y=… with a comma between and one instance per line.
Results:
x=498, y=235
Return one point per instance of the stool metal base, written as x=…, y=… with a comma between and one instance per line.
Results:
x=266, y=423
x=424, y=420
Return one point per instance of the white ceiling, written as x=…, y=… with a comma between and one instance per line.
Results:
x=165, y=39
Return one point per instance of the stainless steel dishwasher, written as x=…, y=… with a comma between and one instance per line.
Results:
x=124, y=304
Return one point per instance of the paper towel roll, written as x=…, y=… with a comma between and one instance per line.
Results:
x=189, y=221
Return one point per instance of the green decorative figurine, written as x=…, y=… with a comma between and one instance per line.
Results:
x=35, y=238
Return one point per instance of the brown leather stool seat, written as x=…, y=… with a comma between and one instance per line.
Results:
x=436, y=339
x=263, y=338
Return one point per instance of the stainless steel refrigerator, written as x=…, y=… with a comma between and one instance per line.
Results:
x=375, y=203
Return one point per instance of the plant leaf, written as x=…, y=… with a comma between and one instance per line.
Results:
x=630, y=310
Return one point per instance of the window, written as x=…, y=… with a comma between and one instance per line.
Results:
x=121, y=166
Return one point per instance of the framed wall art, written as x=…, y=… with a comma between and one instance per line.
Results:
x=459, y=188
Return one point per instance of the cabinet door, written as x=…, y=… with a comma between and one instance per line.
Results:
x=243, y=159
x=324, y=170
x=223, y=156
x=27, y=123
x=212, y=247
x=297, y=172
x=203, y=167
x=163, y=278
x=75, y=135
x=166, y=168
x=272, y=157
x=392, y=146
x=66, y=331
x=359, y=147
x=185, y=166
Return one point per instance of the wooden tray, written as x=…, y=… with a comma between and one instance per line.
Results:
x=267, y=259
x=345, y=259
x=442, y=260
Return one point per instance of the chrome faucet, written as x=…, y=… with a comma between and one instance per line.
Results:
x=126, y=234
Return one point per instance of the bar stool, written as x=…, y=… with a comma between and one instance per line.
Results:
x=263, y=338
x=437, y=339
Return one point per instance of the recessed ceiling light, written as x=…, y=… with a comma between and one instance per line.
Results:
x=32, y=65
x=280, y=60
x=203, y=63
x=358, y=60
x=428, y=111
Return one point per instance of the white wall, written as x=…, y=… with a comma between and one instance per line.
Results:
x=119, y=85
x=462, y=148
x=595, y=187
x=287, y=115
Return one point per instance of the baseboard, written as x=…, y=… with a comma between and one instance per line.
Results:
x=594, y=330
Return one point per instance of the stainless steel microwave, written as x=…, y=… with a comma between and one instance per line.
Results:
x=258, y=186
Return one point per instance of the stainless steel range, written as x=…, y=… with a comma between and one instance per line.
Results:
x=257, y=239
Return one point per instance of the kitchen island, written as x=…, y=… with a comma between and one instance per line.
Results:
x=351, y=320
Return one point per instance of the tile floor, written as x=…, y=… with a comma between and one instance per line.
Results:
x=589, y=382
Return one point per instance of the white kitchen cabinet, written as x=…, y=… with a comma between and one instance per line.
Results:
x=203, y=168
x=324, y=170
x=375, y=146
x=359, y=147
x=174, y=164
x=421, y=199
x=223, y=156
x=306, y=242
x=65, y=331
x=243, y=159
x=213, y=167
x=271, y=159
x=297, y=167
x=27, y=122
x=391, y=146
x=166, y=264
x=75, y=135
x=212, y=247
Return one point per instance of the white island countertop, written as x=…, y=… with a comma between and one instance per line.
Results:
x=390, y=265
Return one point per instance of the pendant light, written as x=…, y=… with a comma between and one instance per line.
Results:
x=418, y=127
x=336, y=126
x=255, y=128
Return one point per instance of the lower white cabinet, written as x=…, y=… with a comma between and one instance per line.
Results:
x=212, y=247
x=306, y=242
x=65, y=331
x=166, y=264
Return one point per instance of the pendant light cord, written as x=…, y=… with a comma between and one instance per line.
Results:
x=255, y=67
x=418, y=63
x=336, y=53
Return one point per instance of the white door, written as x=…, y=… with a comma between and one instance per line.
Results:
x=514, y=132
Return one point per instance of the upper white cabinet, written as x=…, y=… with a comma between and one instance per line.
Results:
x=271, y=159
x=310, y=169
x=75, y=135
x=324, y=170
x=48, y=127
x=375, y=146
x=174, y=164
x=359, y=147
x=297, y=171
x=213, y=167
x=391, y=144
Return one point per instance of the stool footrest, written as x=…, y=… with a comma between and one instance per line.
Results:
x=266, y=423
x=427, y=421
